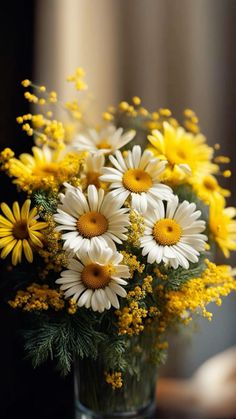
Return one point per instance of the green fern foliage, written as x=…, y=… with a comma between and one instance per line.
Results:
x=62, y=339
x=46, y=202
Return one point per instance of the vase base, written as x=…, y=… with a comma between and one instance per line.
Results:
x=147, y=412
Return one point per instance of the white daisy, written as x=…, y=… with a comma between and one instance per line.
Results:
x=105, y=141
x=97, y=219
x=137, y=175
x=93, y=169
x=173, y=235
x=95, y=280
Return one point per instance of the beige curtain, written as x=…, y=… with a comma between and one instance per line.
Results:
x=171, y=52
x=73, y=33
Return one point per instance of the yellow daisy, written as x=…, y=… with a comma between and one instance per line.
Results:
x=184, y=151
x=208, y=189
x=46, y=168
x=19, y=231
x=222, y=225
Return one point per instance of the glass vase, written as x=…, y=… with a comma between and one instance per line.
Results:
x=96, y=399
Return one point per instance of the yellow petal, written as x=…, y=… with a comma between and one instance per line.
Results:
x=157, y=140
x=27, y=251
x=18, y=166
x=27, y=159
x=16, y=253
x=25, y=210
x=5, y=231
x=16, y=210
x=32, y=214
x=35, y=240
x=20, y=250
x=8, y=212
x=5, y=223
x=38, y=155
x=39, y=226
x=7, y=249
x=37, y=234
x=5, y=240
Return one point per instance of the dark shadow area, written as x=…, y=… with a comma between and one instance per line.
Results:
x=26, y=393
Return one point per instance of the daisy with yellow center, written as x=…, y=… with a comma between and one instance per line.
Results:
x=184, y=151
x=207, y=188
x=19, y=231
x=46, y=168
x=95, y=220
x=94, y=279
x=223, y=226
x=93, y=170
x=137, y=175
x=173, y=236
x=105, y=141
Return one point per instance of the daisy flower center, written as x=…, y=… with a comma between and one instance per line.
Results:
x=218, y=228
x=181, y=154
x=46, y=169
x=167, y=232
x=137, y=180
x=103, y=144
x=20, y=231
x=92, y=224
x=210, y=183
x=93, y=178
x=95, y=276
x=177, y=156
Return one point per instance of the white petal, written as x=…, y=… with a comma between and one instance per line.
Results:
x=92, y=197
x=85, y=298
x=111, y=295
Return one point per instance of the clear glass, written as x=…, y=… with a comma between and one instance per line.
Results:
x=95, y=399
x=145, y=413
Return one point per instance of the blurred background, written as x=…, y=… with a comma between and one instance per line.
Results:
x=171, y=53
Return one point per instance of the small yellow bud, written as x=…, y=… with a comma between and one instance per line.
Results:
x=227, y=173
x=42, y=89
x=189, y=113
x=30, y=132
x=136, y=100
x=70, y=78
x=80, y=72
x=26, y=83
x=26, y=127
x=42, y=101
x=143, y=112
x=81, y=85
x=27, y=117
x=195, y=119
x=123, y=106
x=20, y=120
x=165, y=112
x=107, y=116
x=130, y=109
x=222, y=159
x=155, y=116
x=6, y=154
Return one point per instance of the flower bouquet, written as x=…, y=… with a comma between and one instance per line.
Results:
x=113, y=244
